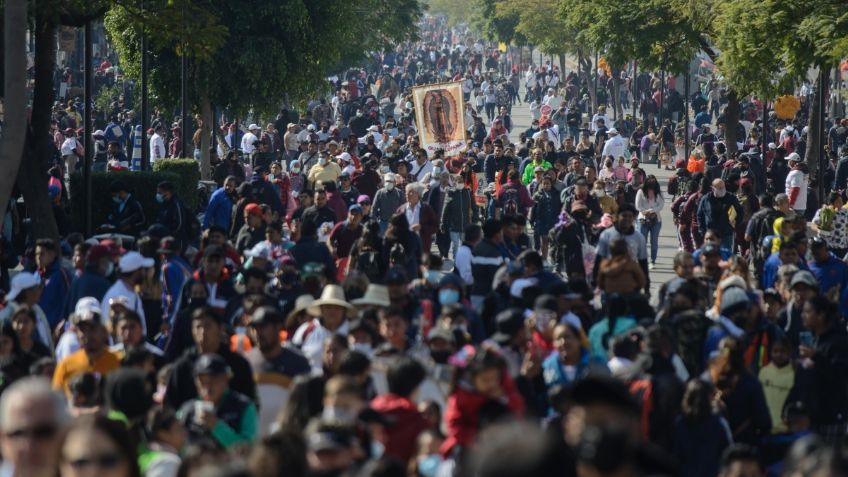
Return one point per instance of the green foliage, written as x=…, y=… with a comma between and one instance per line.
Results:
x=455, y=11
x=247, y=56
x=103, y=99
x=142, y=185
x=188, y=171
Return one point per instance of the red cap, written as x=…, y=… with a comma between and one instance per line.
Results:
x=97, y=252
x=113, y=247
x=253, y=209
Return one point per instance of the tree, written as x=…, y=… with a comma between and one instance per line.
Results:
x=455, y=11
x=14, y=95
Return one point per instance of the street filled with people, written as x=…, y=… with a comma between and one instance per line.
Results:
x=348, y=300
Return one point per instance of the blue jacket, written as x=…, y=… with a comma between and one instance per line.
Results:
x=90, y=283
x=174, y=273
x=219, y=211
x=770, y=267
x=57, y=282
x=832, y=273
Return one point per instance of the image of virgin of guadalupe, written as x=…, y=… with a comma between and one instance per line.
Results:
x=441, y=114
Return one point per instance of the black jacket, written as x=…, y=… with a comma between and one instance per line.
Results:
x=319, y=215
x=824, y=387
x=129, y=220
x=457, y=211
x=172, y=215
x=181, y=383
x=486, y=258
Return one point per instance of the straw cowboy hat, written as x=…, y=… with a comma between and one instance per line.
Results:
x=377, y=295
x=332, y=295
x=300, y=304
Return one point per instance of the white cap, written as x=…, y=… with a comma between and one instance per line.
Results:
x=519, y=285
x=23, y=281
x=772, y=145
x=87, y=304
x=311, y=127
x=794, y=157
x=612, y=131
x=99, y=132
x=344, y=157
x=260, y=250
x=389, y=177
x=132, y=261
x=253, y=126
x=374, y=128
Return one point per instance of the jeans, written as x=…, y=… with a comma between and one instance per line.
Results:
x=654, y=231
x=456, y=241
x=197, y=155
x=727, y=241
x=490, y=111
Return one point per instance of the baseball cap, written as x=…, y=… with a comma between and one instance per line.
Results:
x=253, y=126
x=344, y=157
x=804, y=277
x=132, y=261
x=212, y=364
x=354, y=209
x=266, y=315
x=508, y=323
x=253, y=209
x=23, y=281
x=363, y=199
x=96, y=252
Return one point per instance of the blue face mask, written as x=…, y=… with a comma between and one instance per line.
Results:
x=109, y=269
x=433, y=277
x=160, y=198
x=448, y=296
x=117, y=199
x=429, y=464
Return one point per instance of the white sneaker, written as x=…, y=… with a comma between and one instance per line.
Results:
x=651, y=266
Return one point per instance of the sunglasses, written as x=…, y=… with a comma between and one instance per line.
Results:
x=365, y=203
x=102, y=461
x=38, y=432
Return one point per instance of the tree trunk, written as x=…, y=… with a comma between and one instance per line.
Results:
x=14, y=95
x=205, y=136
x=731, y=121
x=32, y=177
x=562, y=66
x=616, y=93
x=814, y=136
x=586, y=74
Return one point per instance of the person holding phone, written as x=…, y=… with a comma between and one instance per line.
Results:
x=823, y=376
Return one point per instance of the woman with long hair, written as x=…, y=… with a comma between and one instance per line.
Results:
x=401, y=247
x=96, y=445
x=700, y=435
x=649, y=203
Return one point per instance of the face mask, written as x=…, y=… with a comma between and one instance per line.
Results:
x=407, y=105
x=160, y=198
x=364, y=348
x=460, y=185
x=434, y=183
x=429, y=464
x=358, y=115
x=339, y=414
x=433, y=277
x=322, y=161
x=109, y=269
x=117, y=199
x=437, y=171
x=440, y=357
x=295, y=170
x=719, y=192
x=386, y=169
x=600, y=193
x=390, y=185
x=377, y=449
x=448, y=296
x=535, y=127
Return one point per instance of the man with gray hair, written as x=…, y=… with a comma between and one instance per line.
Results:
x=31, y=418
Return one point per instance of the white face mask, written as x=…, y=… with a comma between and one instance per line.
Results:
x=600, y=193
x=322, y=161
x=460, y=185
x=295, y=170
x=437, y=170
x=719, y=192
x=390, y=185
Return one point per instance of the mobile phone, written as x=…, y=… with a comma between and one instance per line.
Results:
x=806, y=338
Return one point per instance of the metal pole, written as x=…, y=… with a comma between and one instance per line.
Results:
x=662, y=99
x=822, y=99
x=184, y=129
x=686, y=116
x=635, y=94
x=145, y=113
x=88, y=141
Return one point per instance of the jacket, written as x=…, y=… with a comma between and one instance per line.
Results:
x=309, y=249
x=57, y=283
x=713, y=213
x=219, y=211
x=174, y=273
x=181, y=382
x=408, y=422
x=456, y=212
x=462, y=415
x=824, y=387
x=486, y=258
x=428, y=220
x=385, y=203
x=172, y=215
x=248, y=237
x=128, y=216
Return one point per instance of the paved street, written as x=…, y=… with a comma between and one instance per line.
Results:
x=668, y=236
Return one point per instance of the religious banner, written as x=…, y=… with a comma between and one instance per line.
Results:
x=439, y=117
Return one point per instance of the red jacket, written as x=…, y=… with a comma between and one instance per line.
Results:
x=408, y=423
x=462, y=416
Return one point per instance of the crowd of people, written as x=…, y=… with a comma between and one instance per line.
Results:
x=346, y=304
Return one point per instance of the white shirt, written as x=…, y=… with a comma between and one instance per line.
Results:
x=69, y=145
x=312, y=345
x=614, y=146
x=247, y=142
x=796, y=178
x=463, y=264
x=594, y=124
x=418, y=172
x=413, y=214
x=133, y=302
x=643, y=204
x=553, y=101
x=157, y=148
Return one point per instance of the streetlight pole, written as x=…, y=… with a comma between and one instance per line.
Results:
x=145, y=113
x=184, y=92
x=88, y=140
x=686, y=115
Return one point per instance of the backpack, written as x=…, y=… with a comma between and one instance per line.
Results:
x=368, y=262
x=789, y=143
x=509, y=202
